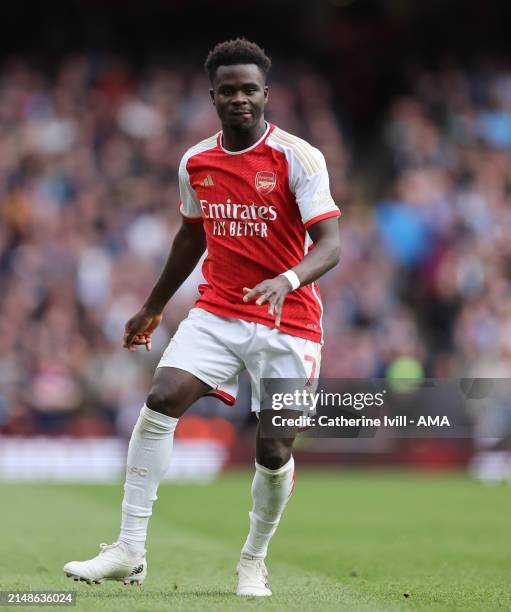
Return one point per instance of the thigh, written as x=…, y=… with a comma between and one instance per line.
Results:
x=285, y=358
x=200, y=347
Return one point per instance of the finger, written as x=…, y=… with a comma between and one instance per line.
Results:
x=278, y=313
x=249, y=293
x=263, y=298
x=148, y=345
x=272, y=304
x=140, y=326
x=130, y=346
x=125, y=342
x=252, y=293
x=128, y=336
x=135, y=339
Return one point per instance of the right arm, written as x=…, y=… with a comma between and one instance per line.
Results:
x=187, y=248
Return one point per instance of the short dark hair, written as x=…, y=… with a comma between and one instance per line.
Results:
x=234, y=52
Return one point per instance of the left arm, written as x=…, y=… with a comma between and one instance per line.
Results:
x=325, y=255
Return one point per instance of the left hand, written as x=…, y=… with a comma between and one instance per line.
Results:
x=273, y=291
x=139, y=329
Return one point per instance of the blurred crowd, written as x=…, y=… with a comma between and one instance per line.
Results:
x=426, y=267
x=89, y=152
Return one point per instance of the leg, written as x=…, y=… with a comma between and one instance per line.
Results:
x=196, y=360
x=271, y=488
x=150, y=448
x=283, y=357
x=198, y=346
x=173, y=391
x=273, y=453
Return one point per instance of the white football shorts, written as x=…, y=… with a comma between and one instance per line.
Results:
x=217, y=349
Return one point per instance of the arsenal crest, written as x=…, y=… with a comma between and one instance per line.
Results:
x=265, y=182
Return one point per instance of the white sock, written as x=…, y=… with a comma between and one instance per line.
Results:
x=271, y=490
x=148, y=461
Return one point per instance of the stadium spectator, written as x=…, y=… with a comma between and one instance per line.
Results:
x=88, y=192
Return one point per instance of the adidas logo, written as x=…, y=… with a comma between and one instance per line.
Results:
x=207, y=182
x=137, y=570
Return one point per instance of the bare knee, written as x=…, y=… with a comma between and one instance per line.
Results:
x=273, y=454
x=174, y=391
x=163, y=398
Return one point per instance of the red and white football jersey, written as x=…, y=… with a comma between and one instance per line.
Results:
x=256, y=206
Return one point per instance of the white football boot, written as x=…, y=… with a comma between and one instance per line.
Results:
x=114, y=562
x=252, y=577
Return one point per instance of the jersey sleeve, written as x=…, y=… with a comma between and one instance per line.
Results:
x=311, y=186
x=188, y=202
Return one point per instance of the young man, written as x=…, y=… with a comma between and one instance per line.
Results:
x=257, y=198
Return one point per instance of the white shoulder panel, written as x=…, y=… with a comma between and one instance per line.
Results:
x=189, y=205
x=310, y=158
x=308, y=175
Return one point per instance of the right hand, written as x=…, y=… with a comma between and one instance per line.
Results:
x=138, y=329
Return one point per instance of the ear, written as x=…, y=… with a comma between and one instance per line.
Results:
x=212, y=95
x=266, y=94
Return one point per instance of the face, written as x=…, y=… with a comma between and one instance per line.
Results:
x=239, y=94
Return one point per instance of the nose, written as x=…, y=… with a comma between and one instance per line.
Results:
x=239, y=98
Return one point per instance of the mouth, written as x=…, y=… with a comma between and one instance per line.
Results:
x=241, y=114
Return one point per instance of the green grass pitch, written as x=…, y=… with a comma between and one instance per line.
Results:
x=348, y=541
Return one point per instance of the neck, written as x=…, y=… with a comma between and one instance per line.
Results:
x=235, y=140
